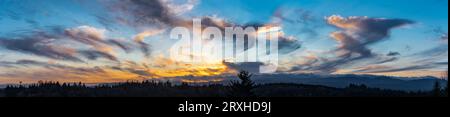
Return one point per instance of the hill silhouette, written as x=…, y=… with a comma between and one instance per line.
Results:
x=243, y=88
x=424, y=83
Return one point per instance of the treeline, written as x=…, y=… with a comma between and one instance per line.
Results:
x=243, y=88
x=125, y=89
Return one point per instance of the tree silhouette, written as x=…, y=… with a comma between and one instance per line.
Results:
x=242, y=88
x=446, y=86
x=437, y=89
x=446, y=90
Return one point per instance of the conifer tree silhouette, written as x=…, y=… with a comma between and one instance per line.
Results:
x=437, y=89
x=243, y=88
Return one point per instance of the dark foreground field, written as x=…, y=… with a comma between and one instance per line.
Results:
x=153, y=89
x=243, y=88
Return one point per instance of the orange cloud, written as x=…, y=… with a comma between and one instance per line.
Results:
x=141, y=36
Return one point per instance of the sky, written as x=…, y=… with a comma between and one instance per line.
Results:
x=96, y=41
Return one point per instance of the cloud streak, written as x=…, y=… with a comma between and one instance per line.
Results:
x=40, y=44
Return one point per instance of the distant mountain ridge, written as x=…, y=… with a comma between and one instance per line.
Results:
x=339, y=81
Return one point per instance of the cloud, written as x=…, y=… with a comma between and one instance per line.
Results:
x=68, y=44
x=166, y=68
x=151, y=17
x=358, y=32
x=307, y=23
x=40, y=44
x=123, y=45
x=94, y=55
x=96, y=38
x=88, y=35
x=139, y=39
x=179, y=9
x=29, y=63
x=349, y=46
x=252, y=67
x=63, y=73
x=382, y=60
x=44, y=44
x=139, y=13
x=371, y=68
x=444, y=37
x=441, y=34
x=141, y=36
x=145, y=48
x=434, y=58
x=441, y=50
x=142, y=15
x=393, y=53
x=384, y=69
x=288, y=44
x=355, y=34
x=146, y=15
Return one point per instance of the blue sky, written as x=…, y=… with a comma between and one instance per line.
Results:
x=305, y=21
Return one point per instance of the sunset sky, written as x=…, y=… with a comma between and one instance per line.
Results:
x=117, y=40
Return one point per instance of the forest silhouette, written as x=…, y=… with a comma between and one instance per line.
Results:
x=245, y=87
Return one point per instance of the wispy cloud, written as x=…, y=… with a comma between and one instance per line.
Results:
x=40, y=44
x=355, y=34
